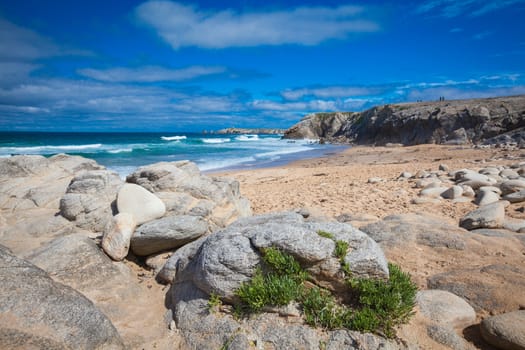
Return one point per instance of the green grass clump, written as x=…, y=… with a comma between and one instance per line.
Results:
x=321, y=309
x=385, y=304
x=283, y=264
x=214, y=302
x=341, y=248
x=325, y=234
x=377, y=306
x=280, y=286
x=253, y=293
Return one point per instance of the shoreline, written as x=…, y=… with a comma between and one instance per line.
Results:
x=284, y=160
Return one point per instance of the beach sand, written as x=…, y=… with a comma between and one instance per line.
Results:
x=338, y=183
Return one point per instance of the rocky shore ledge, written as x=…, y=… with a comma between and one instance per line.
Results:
x=165, y=260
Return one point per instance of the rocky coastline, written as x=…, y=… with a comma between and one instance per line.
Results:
x=488, y=121
x=142, y=259
x=242, y=131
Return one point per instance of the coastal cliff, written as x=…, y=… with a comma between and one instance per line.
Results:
x=490, y=120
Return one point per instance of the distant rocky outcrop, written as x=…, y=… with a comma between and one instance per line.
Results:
x=490, y=120
x=235, y=131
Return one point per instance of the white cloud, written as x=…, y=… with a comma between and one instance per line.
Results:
x=504, y=79
x=329, y=92
x=455, y=8
x=299, y=107
x=23, y=109
x=18, y=43
x=181, y=25
x=150, y=73
x=451, y=93
x=15, y=72
x=356, y=104
x=54, y=103
x=490, y=6
x=446, y=83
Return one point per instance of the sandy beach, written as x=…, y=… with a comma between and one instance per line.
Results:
x=338, y=184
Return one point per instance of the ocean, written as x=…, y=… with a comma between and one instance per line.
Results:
x=124, y=152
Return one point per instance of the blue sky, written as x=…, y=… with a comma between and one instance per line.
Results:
x=189, y=66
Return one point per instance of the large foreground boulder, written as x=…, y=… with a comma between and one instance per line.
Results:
x=220, y=263
x=136, y=309
x=37, y=312
x=77, y=261
x=229, y=257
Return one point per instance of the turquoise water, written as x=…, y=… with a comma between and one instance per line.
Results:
x=123, y=152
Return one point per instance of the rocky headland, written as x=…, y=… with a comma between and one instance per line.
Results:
x=242, y=131
x=476, y=121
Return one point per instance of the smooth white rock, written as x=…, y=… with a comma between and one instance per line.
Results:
x=139, y=202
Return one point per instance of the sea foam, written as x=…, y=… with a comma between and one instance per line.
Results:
x=48, y=149
x=224, y=140
x=247, y=137
x=173, y=138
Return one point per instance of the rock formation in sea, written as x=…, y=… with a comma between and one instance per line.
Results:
x=235, y=131
x=489, y=120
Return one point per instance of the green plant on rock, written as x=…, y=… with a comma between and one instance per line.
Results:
x=390, y=302
x=325, y=234
x=321, y=309
x=278, y=287
x=214, y=302
x=283, y=264
x=341, y=248
x=378, y=306
x=346, y=269
x=254, y=293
